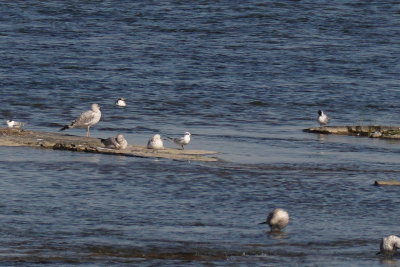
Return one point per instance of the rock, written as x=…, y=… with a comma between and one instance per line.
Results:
x=19, y=137
x=374, y=131
x=387, y=183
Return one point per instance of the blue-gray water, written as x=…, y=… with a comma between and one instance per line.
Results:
x=245, y=77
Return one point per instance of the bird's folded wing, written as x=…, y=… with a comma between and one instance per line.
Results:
x=84, y=119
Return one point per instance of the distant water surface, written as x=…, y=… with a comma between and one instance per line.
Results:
x=244, y=78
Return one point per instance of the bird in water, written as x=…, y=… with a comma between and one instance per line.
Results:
x=86, y=119
x=15, y=124
x=277, y=220
x=155, y=142
x=323, y=119
x=182, y=141
x=389, y=244
x=118, y=142
x=120, y=102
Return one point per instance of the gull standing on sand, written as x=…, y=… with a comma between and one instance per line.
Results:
x=182, y=141
x=86, y=119
x=118, y=142
x=155, y=142
x=322, y=118
x=121, y=102
x=15, y=124
x=277, y=220
x=389, y=244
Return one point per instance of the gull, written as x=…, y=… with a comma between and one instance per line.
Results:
x=389, y=244
x=155, y=142
x=118, y=142
x=120, y=102
x=15, y=124
x=277, y=220
x=182, y=141
x=375, y=134
x=86, y=119
x=322, y=118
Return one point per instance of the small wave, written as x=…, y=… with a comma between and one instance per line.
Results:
x=204, y=253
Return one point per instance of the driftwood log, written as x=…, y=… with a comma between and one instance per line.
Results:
x=19, y=137
x=386, y=132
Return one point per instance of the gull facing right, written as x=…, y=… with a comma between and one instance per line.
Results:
x=182, y=141
x=389, y=244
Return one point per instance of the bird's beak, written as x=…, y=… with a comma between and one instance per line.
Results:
x=263, y=223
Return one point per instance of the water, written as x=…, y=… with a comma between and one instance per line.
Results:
x=244, y=78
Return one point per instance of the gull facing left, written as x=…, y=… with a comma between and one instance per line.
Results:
x=120, y=102
x=277, y=219
x=86, y=119
x=15, y=124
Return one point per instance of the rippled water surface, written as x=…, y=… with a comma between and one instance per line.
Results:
x=245, y=78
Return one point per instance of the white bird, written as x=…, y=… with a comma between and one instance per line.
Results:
x=323, y=119
x=15, y=124
x=86, y=119
x=277, y=219
x=120, y=102
x=118, y=142
x=389, y=244
x=155, y=142
x=375, y=134
x=182, y=141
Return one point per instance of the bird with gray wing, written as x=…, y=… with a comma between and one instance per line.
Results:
x=181, y=141
x=86, y=119
x=118, y=142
